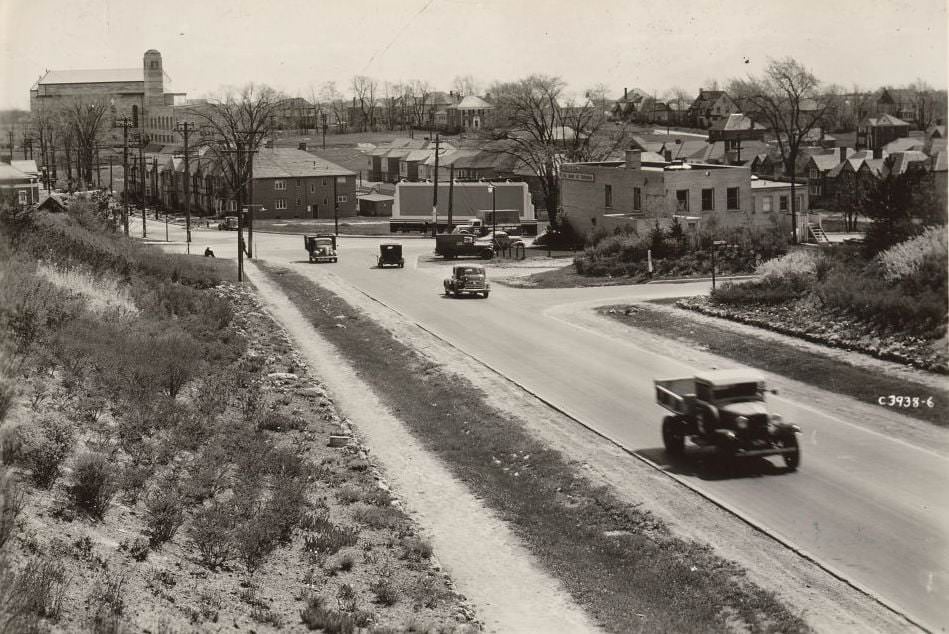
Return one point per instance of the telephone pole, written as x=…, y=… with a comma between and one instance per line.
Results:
x=125, y=123
x=435, y=192
x=185, y=128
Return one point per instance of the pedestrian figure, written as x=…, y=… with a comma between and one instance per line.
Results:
x=208, y=253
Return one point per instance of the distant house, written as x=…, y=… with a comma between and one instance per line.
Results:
x=54, y=203
x=914, y=162
x=818, y=166
x=775, y=196
x=471, y=113
x=375, y=205
x=18, y=187
x=735, y=128
x=626, y=107
x=874, y=133
x=711, y=106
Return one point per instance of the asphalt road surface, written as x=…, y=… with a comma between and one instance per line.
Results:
x=868, y=507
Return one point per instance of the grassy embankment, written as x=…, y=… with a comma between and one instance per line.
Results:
x=619, y=562
x=165, y=459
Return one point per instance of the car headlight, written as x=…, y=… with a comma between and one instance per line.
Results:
x=777, y=419
x=741, y=422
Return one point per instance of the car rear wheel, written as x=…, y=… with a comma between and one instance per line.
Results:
x=672, y=438
x=792, y=459
x=486, y=294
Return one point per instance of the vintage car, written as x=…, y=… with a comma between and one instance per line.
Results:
x=725, y=410
x=229, y=223
x=467, y=279
x=390, y=254
x=321, y=247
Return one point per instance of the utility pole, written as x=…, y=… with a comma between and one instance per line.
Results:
x=323, y=117
x=185, y=128
x=10, y=133
x=156, y=197
x=125, y=123
x=141, y=180
x=98, y=167
x=335, y=208
x=250, y=197
x=451, y=193
x=435, y=192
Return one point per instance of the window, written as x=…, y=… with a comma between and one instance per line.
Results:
x=312, y=188
x=608, y=195
x=298, y=204
x=637, y=199
x=342, y=198
x=708, y=200
x=22, y=196
x=732, y=197
x=280, y=203
x=279, y=185
x=324, y=182
x=800, y=202
x=783, y=202
x=682, y=200
x=766, y=203
x=340, y=180
x=299, y=183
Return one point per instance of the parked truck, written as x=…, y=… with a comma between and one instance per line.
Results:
x=725, y=410
x=405, y=224
x=455, y=245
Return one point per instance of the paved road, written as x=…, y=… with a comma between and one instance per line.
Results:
x=869, y=507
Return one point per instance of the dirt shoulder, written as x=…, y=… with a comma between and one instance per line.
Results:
x=824, y=602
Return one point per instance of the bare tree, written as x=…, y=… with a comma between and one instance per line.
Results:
x=786, y=98
x=678, y=99
x=333, y=104
x=925, y=103
x=420, y=101
x=392, y=95
x=364, y=95
x=233, y=126
x=85, y=118
x=465, y=85
x=543, y=131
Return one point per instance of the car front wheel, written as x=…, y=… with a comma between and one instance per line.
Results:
x=792, y=459
x=672, y=438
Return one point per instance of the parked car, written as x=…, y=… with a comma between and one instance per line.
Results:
x=725, y=410
x=390, y=254
x=467, y=279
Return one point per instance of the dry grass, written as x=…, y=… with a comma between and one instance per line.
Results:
x=103, y=294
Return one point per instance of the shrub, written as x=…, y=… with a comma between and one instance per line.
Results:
x=137, y=548
x=416, y=549
x=93, y=484
x=210, y=532
x=384, y=591
x=164, y=514
x=45, y=447
x=794, y=265
x=767, y=292
x=36, y=591
x=316, y=616
x=254, y=539
x=340, y=562
x=106, y=602
x=330, y=541
x=349, y=494
x=377, y=516
x=175, y=356
x=7, y=396
x=285, y=508
x=267, y=617
x=12, y=499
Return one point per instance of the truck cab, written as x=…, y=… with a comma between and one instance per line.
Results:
x=725, y=409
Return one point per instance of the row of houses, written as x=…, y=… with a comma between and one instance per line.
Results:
x=287, y=183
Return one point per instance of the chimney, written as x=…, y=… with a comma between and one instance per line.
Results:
x=668, y=155
x=634, y=160
x=625, y=94
x=843, y=154
x=302, y=146
x=877, y=152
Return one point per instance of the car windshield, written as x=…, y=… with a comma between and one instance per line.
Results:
x=742, y=391
x=470, y=270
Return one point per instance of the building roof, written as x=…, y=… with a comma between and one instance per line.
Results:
x=27, y=167
x=737, y=121
x=764, y=183
x=92, y=76
x=938, y=131
x=293, y=163
x=472, y=102
x=874, y=166
x=10, y=173
x=905, y=144
x=825, y=162
x=900, y=162
x=883, y=120
x=940, y=162
x=375, y=197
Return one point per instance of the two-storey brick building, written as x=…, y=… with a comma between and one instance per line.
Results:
x=640, y=193
x=291, y=183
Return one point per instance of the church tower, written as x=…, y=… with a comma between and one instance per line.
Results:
x=154, y=79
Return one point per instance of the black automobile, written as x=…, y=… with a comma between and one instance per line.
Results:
x=390, y=254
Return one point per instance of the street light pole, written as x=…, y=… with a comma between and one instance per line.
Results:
x=715, y=245
x=494, y=214
x=323, y=117
x=125, y=123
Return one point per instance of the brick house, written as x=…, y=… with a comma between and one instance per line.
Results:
x=711, y=106
x=291, y=183
x=471, y=113
x=640, y=193
x=874, y=133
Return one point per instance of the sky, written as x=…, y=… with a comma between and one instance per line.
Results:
x=296, y=45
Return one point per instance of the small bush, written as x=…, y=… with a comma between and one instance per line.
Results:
x=211, y=533
x=316, y=616
x=267, y=617
x=164, y=514
x=137, y=548
x=378, y=516
x=416, y=549
x=254, y=540
x=383, y=590
x=36, y=591
x=285, y=508
x=106, y=602
x=349, y=494
x=12, y=499
x=330, y=541
x=93, y=484
x=7, y=396
x=45, y=448
x=340, y=562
